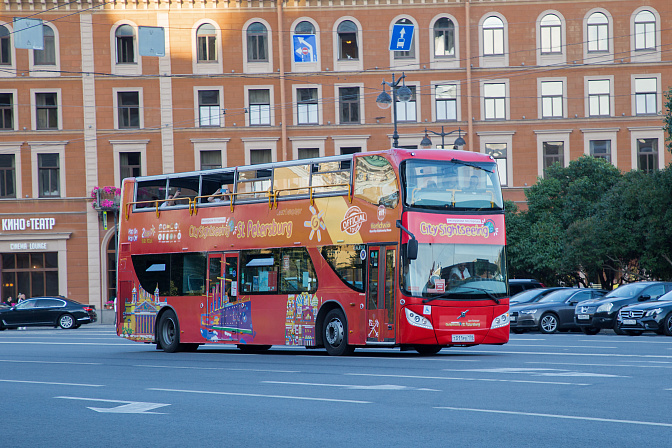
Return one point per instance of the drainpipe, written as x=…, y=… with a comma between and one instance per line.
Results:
x=470, y=123
x=283, y=96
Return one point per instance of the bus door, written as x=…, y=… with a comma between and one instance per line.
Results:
x=214, y=290
x=380, y=293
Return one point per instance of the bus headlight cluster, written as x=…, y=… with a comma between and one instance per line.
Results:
x=417, y=320
x=500, y=321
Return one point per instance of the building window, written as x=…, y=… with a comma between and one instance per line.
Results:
x=598, y=32
x=304, y=27
x=6, y=111
x=647, y=154
x=553, y=152
x=645, y=31
x=33, y=274
x=260, y=107
x=601, y=149
x=308, y=153
x=551, y=99
x=46, y=110
x=47, y=56
x=347, y=41
x=208, y=108
x=48, y=175
x=493, y=36
x=406, y=111
x=405, y=54
x=128, y=105
x=125, y=37
x=498, y=152
x=307, y=106
x=444, y=38
x=348, y=100
x=207, y=43
x=494, y=100
x=5, y=46
x=7, y=176
x=598, y=98
x=646, y=94
x=211, y=160
x=257, y=43
x=446, y=102
x=129, y=165
x=259, y=156
x=551, y=40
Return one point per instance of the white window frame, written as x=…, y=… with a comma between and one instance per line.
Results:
x=410, y=63
x=337, y=105
x=197, y=112
x=9, y=71
x=53, y=147
x=209, y=144
x=14, y=148
x=458, y=100
x=645, y=55
x=552, y=58
x=126, y=68
x=307, y=142
x=251, y=143
x=551, y=135
x=493, y=60
x=261, y=66
x=53, y=70
x=206, y=68
x=598, y=57
x=500, y=137
x=33, y=108
x=507, y=96
x=15, y=110
x=320, y=106
x=348, y=65
x=418, y=106
x=610, y=78
x=306, y=67
x=601, y=134
x=247, y=104
x=115, y=105
x=119, y=146
x=637, y=132
x=540, y=106
x=443, y=62
x=659, y=94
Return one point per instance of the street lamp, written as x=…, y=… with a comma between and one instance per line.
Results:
x=459, y=141
x=384, y=101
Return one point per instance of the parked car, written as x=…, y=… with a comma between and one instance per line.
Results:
x=653, y=315
x=553, y=312
x=517, y=285
x=530, y=295
x=592, y=317
x=51, y=311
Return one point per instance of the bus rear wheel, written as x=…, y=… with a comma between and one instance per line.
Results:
x=169, y=332
x=428, y=349
x=336, y=334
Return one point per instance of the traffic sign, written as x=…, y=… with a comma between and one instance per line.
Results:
x=402, y=37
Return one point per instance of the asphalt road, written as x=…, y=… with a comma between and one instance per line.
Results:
x=87, y=387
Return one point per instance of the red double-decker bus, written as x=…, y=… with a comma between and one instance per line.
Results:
x=393, y=248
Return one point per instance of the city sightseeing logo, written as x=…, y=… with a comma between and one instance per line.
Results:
x=353, y=220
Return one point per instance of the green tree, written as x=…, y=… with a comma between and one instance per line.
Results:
x=667, y=119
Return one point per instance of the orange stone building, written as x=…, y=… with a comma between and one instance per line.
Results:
x=148, y=87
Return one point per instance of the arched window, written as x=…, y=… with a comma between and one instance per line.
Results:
x=348, y=48
x=5, y=46
x=550, y=31
x=406, y=54
x=304, y=27
x=645, y=31
x=125, y=37
x=598, y=32
x=444, y=37
x=493, y=36
x=207, y=43
x=257, y=43
x=47, y=56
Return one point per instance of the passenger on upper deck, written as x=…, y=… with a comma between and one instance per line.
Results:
x=171, y=198
x=221, y=194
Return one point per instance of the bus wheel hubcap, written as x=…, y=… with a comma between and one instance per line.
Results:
x=335, y=333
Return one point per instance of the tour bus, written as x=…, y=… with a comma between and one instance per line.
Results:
x=397, y=248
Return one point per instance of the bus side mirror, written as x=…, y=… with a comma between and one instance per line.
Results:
x=412, y=249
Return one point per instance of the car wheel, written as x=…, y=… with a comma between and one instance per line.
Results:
x=336, y=334
x=667, y=325
x=67, y=321
x=518, y=330
x=548, y=323
x=169, y=332
x=617, y=329
x=633, y=332
x=590, y=330
x=428, y=349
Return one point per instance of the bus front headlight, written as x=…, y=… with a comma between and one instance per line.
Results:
x=417, y=320
x=500, y=321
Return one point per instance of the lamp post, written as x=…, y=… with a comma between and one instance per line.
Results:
x=384, y=101
x=459, y=141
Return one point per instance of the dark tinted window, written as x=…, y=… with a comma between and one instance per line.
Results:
x=347, y=262
x=173, y=274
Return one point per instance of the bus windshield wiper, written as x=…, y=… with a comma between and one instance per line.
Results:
x=462, y=162
x=444, y=295
x=487, y=293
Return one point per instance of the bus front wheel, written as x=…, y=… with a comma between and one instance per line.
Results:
x=336, y=334
x=169, y=332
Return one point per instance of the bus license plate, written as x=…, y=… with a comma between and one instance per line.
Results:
x=463, y=338
x=629, y=322
x=582, y=316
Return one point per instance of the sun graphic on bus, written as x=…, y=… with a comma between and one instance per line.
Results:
x=315, y=224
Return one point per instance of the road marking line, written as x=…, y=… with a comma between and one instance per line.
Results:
x=569, y=417
x=596, y=365
x=630, y=341
x=238, y=394
x=537, y=372
x=603, y=355
x=560, y=346
x=127, y=407
x=52, y=383
x=217, y=368
x=491, y=380
x=55, y=362
x=354, y=386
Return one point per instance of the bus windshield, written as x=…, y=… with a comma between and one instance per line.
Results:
x=456, y=271
x=453, y=184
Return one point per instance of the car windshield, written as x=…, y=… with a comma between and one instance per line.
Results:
x=526, y=296
x=627, y=290
x=456, y=271
x=557, y=296
x=454, y=185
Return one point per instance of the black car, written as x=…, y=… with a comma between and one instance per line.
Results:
x=517, y=285
x=531, y=295
x=53, y=311
x=551, y=313
x=592, y=317
x=654, y=315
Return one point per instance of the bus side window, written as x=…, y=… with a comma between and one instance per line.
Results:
x=376, y=181
x=259, y=270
